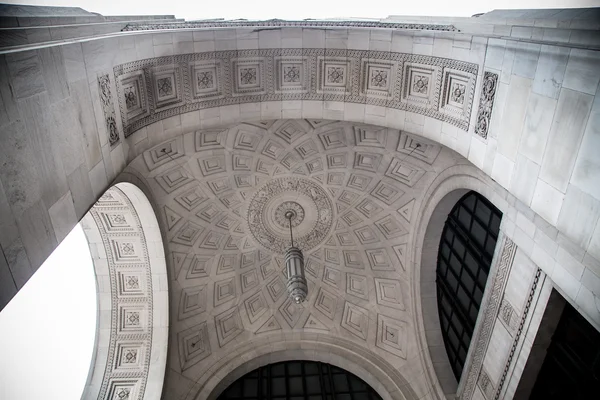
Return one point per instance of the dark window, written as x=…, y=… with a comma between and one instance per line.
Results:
x=464, y=258
x=571, y=369
x=299, y=380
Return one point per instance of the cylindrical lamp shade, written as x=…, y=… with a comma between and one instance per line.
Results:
x=296, y=284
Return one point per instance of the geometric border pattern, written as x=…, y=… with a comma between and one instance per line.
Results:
x=483, y=335
x=319, y=74
x=131, y=310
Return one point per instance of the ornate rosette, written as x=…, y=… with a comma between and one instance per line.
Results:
x=309, y=202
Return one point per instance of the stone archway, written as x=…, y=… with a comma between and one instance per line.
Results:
x=441, y=197
x=131, y=339
x=359, y=187
x=374, y=370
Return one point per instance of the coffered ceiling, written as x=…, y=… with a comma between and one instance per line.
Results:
x=356, y=190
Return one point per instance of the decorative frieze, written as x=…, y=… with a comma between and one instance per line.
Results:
x=486, y=103
x=154, y=89
x=278, y=23
x=481, y=338
x=108, y=109
x=131, y=312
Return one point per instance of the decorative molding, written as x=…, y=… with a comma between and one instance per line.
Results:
x=310, y=196
x=485, y=384
x=486, y=103
x=130, y=340
x=153, y=89
x=517, y=336
x=108, y=108
x=508, y=316
x=278, y=23
x=482, y=337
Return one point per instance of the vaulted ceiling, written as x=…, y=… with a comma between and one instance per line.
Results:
x=356, y=190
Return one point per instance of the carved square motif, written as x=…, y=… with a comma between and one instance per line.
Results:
x=167, y=86
x=248, y=77
x=130, y=355
x=206, y=80
x=193, y=345
x=292, y=74
x=132, y=318
x=123, y=388
x=130, y=284
x=378, y=78
x=392, y=335
x=420, y=85
x=333, y=75
x=133, y=96
x=457, y=95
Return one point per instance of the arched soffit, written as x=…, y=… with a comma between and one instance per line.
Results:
x=275, y=347
x=239, y=85
x=441, y=196
x=129, y=262
x=219, y=193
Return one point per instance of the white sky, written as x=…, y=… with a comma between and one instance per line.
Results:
x=286, y=9
x=47, y=331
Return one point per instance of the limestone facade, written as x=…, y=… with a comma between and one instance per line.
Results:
x=385, y=122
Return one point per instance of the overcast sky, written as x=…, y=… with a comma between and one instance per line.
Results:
x=287, y=9
x=48, y=329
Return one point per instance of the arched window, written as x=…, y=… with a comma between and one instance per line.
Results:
x=299, y=380
x=465, y=255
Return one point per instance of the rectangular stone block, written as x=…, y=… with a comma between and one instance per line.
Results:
x=578, y=216
x=586, y=174
x=567, y=129
x=513, y=116
x=538, y=120
x=526, y=59
x=37, y=233
x=25, y=71
x=582, y=73
x=524, y=178
x=550, y=71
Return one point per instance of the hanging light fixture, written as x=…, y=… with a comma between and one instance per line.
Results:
x=294, y=264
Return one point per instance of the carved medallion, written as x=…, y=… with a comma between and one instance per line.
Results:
x=310, y=204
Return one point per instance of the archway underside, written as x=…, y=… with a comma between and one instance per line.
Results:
x=357, y=189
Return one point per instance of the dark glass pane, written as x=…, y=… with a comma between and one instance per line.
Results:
x=445, y=251
x=455, y=265
x=295, y=385
x=251, y=387
x=471, y=263
x=478, y=295
x=452, y=338
x=495, y=225
x=340, y=383
x=490, y=245
x=278, y=386
x=464, y=218
x=313, y=386
x=294, y=368
x=278, y=369
x=463, y=298
x=459, y=248
x=356, y=384
x=478, y=233
x=469, y=202
x=467, y=282
x=463, y=264
x=311, y=368
x=482, y=278
x=452, y=282
x=483, y=213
